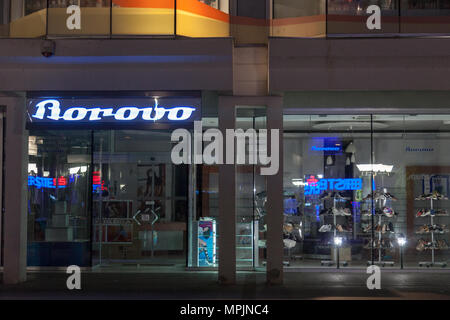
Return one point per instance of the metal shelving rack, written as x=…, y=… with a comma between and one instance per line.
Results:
x=380, y=261
x=331, y=262
x=433, y=243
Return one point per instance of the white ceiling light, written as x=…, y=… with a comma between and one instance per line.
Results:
x=375, y=168
x=350, y=148
x=32, y=167
x=74, y=170
x=329, y=161
x=298, y=182
x=349, y=125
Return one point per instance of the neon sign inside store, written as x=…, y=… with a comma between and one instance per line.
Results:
x=57, y=183
x=43, y=182
x=316, y=186
x=315, y=148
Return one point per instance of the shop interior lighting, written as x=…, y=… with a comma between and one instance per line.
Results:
x=32, y=167
x=298, y=182
x=382, y=168
x=338, y=241
x=401, y=241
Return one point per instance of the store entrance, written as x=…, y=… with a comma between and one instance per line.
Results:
x=140, y=200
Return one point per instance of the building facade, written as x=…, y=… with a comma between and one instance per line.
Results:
x=92, y=91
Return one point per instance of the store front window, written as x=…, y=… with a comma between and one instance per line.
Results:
x=109, y=197
x=59, y=212
x=140, y=199
x=367, y=180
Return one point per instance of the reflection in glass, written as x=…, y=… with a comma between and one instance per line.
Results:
x=59, y=215
x=140, y=200
x=298, y=18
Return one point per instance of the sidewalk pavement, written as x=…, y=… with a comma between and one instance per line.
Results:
x=201, y=285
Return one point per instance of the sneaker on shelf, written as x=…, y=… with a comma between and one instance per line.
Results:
x=379, y=196
x=336, y=211
x=420, y=213
x=437, y=196
x=424, y=196
x=378, y=228
x=339, y=228
x=338, y=195
x=325, y=211
x=442, y=244
x=391, y=227
x=383, y=229
x=366, y=213
x=441, y=212
x=367, y=228
x=368, y=197
x=325, y=228
x=389, y=196
x=420, y=245
x=346, y=212
x=429, y=245
x=422, y=229
x=388, y=212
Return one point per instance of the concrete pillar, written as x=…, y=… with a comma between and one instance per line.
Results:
x=15, y=192
x=227, y=200
x=275, y=199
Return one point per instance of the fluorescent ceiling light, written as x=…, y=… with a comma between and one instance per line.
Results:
x=298, y=182
x=74, y=170
x=32, y=167
x=375, y=168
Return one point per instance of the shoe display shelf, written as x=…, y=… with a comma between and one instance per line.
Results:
x=380, y=203
x=335, y=211
x=432, y=234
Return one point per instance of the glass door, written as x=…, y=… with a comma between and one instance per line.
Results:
x=140, y=200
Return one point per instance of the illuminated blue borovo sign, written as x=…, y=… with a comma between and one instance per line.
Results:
x=91, y=111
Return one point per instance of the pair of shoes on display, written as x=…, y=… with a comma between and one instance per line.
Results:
x=342, y=228
x=431, y=212
x=442, y=244
x=341, y=212
x=384, y=244
x=423, y=244
x=388, y=212
x=329, y=227
x=380, y=196
x=436, y=228
x=386, y=227
x=435, y=195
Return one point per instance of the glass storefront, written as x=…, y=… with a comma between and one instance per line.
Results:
x=137, y=202
x=114, y=197
x=59, y=199
x=108, y=197
x=366, y=181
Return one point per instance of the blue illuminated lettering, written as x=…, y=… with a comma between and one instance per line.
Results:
x=333, y=184
x=314, y=148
